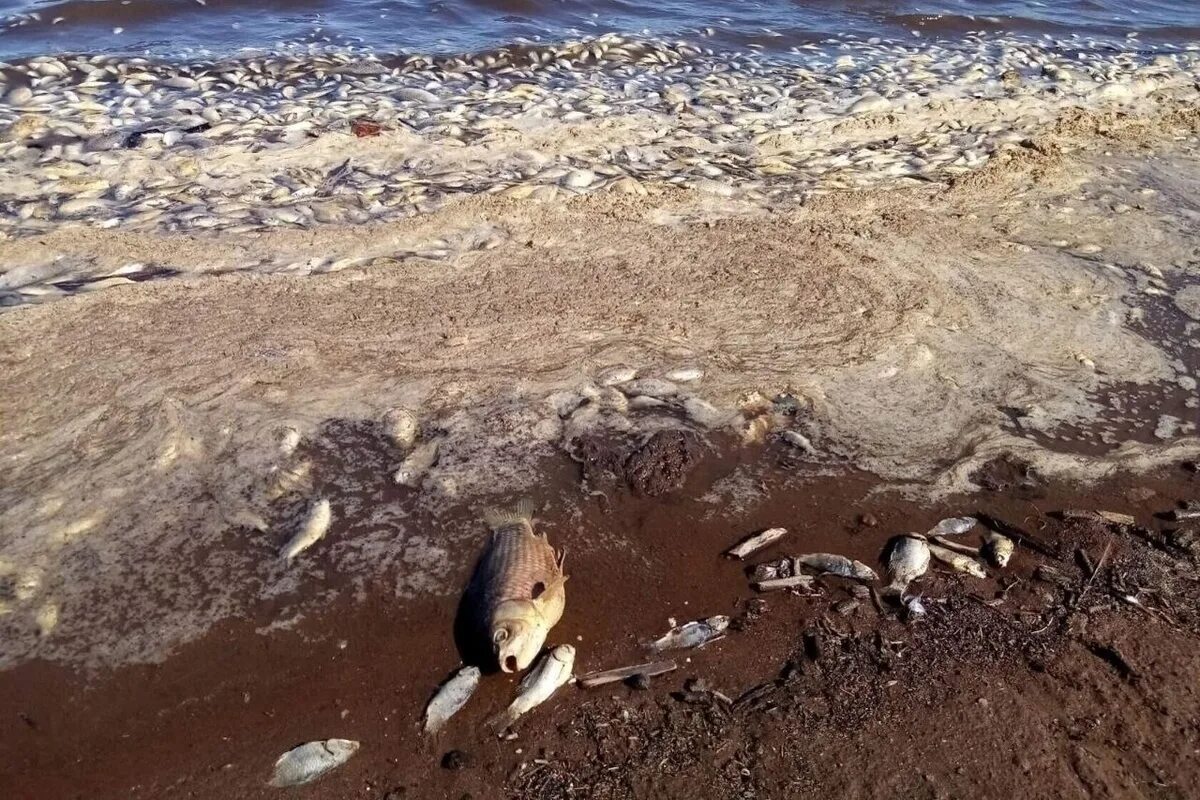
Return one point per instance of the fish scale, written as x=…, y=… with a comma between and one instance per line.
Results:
x=516, y=560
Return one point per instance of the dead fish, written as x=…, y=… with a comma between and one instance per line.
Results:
x=518, y=586
x=692, y=634
x=551, y=672
x=953, y=526
x=451, y=697
x=835, y=564
x=310, y=761
x=417, y=464
x=285, y=480
x=313, y=531
x=958, y=561
x=999, y=549
x=289, y=439
x=756, y=542
x=400, y=424
x=908, y=561
x=773, y=570
x=799, y=441
x=914, y=609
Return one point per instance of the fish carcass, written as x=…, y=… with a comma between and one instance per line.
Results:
x=451, y=697
x=908, y=561
x=518, y=588
x=552, y=671
x=315, y=527
x=310, y=761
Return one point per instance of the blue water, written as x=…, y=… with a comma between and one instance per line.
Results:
x=219, y=27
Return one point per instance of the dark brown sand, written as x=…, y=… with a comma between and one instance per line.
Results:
x=1016, y=684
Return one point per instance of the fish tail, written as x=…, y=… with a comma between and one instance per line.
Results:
x=522, y=514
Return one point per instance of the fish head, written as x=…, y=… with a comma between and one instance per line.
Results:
x=518, y=634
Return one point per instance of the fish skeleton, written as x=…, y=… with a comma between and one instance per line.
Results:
x=451, y=697
x=838, y=565
x=999, y=549
x=313, y=531
x=551, y=672
x=692, y=634
x=519, y=587
x=310, y=761
x=908, y=561
x=958, y=561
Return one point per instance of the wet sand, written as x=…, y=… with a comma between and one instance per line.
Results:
x=1011, y=684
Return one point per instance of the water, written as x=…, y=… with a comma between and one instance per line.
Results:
x=198, y=28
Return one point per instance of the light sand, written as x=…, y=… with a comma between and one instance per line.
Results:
x=139, y=423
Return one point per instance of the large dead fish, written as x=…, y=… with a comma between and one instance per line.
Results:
x=552, y=671
x=310, y=761
x=519, y=588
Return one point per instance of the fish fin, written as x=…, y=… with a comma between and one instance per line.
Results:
x=497, y=518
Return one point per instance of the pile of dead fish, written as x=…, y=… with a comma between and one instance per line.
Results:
x=907, y=558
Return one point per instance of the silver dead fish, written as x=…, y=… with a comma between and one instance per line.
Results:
x=313, y=531
x=451, y=697
x=999, y=549
x=519, y=587
x=418, y=462
x=835, y=564
x=692, y=634
x=908, y=561
x=310, y=761
x=543, y=680
x=960, y=562
x=953, y=526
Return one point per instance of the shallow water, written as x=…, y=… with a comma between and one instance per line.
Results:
x=218, y=27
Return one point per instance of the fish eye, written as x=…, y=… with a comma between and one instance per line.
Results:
x=538, y=588
x=500, y=636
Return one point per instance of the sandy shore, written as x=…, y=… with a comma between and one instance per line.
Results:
x=1016, y=336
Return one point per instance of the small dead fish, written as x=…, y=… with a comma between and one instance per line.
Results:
x=914, y=609
x=839, y=565
x=315, y=528
x=518, y=587
x=543, y=680
x=289, y=439
x=418, y=463
x=285, y=480
x=692, y=634
x=756, y=542
x=957, y=547
x=953, y=526
x=773, y=570
x=451, y=697
x=310, y=761
x=908, y=561
x=999, y=549
x=400, y=424
x=958, y=561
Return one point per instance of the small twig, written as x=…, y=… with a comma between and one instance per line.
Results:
x=1099, y=566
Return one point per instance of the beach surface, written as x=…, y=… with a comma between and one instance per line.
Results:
x=673, y=302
